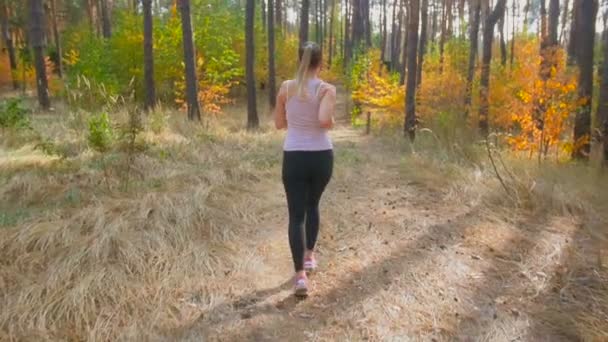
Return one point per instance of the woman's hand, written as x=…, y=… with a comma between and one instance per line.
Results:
x=280, y=114
x=327, y=107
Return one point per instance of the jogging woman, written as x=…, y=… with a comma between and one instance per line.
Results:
x=305, y=107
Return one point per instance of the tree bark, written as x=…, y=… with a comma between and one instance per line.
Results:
x=512, y=57
x=252, y=112
x=585, y=41
x=394, y=28
x=602, y=111
x=8, y=41
x=484, y=89
x=38, y=45
x=410, y=89
x=383, y=32
x=194, y=110
x=272, y=87
x=263, y=13
x=358, y=24
x=503, y=43
x=422, y=45
x=105, y=20
x=278, y=14
x=150, y=92
x=564, y=20
x=434, y=22
x=404, y=50
x=348, y=48
x=331, y=31
x=396, y=48
x=304, y=21
x=57, y=39
x=574, y=34
x=475, y=14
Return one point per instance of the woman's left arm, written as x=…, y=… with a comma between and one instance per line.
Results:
x=327, y=107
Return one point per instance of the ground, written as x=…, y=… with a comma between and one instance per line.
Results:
x=409, y=250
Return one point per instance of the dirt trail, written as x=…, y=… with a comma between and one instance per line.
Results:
x=399, y=260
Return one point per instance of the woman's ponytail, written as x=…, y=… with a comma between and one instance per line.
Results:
x=302, y=74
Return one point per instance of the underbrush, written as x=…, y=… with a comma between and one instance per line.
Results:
x=85, y=257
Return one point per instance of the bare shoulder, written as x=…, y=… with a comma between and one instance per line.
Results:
x=327, y=89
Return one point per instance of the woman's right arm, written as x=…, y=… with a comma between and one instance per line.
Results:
x=280, y=114
x=327, y=107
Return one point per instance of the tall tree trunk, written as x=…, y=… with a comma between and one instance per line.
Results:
x=7, y=36
x=512, y=57
x=272, y=87
x=461, y=24
x=383, y=32
x=37, y=39
x=358, y=23
x=526, y=11
x=252, y=111
x=105, y=20
x=553, y=22
x=564, y=20
x=410, y=89
x=278, y=14
x=397, y=41
x=331, y=31
x=475, y=14
x=57, y=39
x=395, y=29
x=484, y=89
x=194, y=110
x=574, y=34
x=434, y=22
x=304, y=21
x=348, y=46
x=263, y=13
x=150, y=95
x=317, y=10
x=444, y=31
x=503, y=43
x=404, y=51
x=585, y=41
x=422, y=45
x=602, y=111
x=367, y=25
x=90, y=14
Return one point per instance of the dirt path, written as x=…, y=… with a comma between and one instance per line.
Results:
x=400, y=260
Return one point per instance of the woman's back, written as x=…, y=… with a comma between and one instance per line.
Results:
x=304, y=133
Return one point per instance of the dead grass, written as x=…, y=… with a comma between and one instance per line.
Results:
x=414, y=245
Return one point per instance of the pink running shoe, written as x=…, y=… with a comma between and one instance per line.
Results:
x=310, y=264
x=301, y=288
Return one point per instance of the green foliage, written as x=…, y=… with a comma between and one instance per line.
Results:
x=13, y=115
x=101, y=133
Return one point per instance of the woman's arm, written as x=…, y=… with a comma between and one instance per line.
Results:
x=280, y=114
x=327, y=107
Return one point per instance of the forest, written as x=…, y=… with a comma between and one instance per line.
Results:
x=140, y=172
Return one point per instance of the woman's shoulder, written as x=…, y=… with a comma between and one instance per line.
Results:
x=326, y=88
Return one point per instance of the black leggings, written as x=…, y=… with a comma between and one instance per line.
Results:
x=305, y=175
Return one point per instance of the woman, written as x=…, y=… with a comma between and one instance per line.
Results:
x=305, y=108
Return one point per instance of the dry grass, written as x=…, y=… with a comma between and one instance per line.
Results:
x=196, y=248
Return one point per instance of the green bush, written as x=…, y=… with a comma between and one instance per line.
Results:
x=101, y=133
x=14, y=115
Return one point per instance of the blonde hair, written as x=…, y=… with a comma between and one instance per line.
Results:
x=310, y=57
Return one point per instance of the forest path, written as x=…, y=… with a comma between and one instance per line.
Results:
x=399, y=260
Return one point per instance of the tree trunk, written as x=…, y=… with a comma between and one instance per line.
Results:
x=263, y=13
x=475, y=14
x=57, y=39
x=396, y=48
x=602, y=110
x=348, y=49
x=150, y=95
x=7, y=36
x=38, y=45
x=278, y=14
x=422, y=45
x=434, y=22
x=272, y=87
x=105, y=20
x=574, y=34
x=394, y=28
x=410, y=89
x=512, y=57
x=367, y=24
x=564, y=20
x=383, y=32
x=194, y=110
x=404, y=50
x=484, y=89
x=90, y=14
x=358, y=23
x=445, y=31
x=585, y=41
x=304, y=22
x=526, y=11
x=503, y=43
x=252, y=112
x=331, y=31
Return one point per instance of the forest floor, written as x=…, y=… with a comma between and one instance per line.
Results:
x=411, y=248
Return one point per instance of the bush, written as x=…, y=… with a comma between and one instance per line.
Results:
x=13, y=115
x=101, y=134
